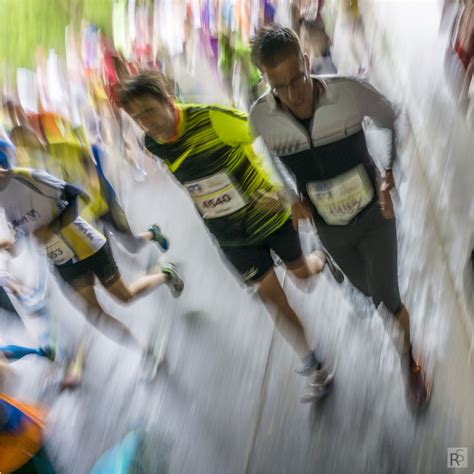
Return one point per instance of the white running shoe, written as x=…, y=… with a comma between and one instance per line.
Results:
x=317, y=386
x=173, y=280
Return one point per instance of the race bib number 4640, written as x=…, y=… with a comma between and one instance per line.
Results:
x=215, y=196
x=340, y=199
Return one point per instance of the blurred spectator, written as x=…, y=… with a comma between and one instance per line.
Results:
x=22, y=438
x=316, y=43
x=459, y=57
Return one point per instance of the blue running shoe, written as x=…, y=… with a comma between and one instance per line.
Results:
x=159, y=238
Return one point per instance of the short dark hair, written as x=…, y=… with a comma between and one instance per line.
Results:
x=145, y=83
x=272, y=44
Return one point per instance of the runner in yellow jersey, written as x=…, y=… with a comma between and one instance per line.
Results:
x=209, y=151
x=48, y=141
x=36, y=203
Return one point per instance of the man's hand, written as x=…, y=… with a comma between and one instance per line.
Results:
x=268, y=201
x=6, y=244
x=15, y=287
x=300, y=210
x=386, y=184
x=12, y=284
x=43, y=234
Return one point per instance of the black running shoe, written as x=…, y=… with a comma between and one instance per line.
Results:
x=333, y=268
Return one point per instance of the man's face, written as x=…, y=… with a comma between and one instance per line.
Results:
x=155, y=117
x=291, y=82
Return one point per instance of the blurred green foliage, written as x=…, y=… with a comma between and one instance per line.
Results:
x=26, y=24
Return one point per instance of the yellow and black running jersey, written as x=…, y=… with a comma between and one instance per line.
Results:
x=212, y=156
x=65, y=156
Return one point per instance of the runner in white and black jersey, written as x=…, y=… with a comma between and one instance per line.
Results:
x=313, y=126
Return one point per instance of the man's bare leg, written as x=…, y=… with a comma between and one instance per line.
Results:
x=291, y=328
x=286, y=320
x=109, y=326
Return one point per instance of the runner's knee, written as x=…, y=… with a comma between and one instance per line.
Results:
x=125, y=296
x=302, y=272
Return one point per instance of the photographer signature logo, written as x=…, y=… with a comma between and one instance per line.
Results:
x=457, y=457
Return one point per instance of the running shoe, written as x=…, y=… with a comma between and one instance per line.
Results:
x=309, y=365
x=317, y=385
x=159, y=238
x=329, y=262
x=173, y=280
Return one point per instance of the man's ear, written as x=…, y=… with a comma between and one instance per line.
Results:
x=307, y=63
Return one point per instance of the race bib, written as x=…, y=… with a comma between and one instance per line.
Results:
x=340, y=199
x=215, y=196
x=58, y=251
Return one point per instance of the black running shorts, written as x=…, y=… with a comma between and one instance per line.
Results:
x=254, y=261
x=101, y=264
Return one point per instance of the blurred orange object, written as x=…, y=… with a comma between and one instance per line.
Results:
x=17, y=448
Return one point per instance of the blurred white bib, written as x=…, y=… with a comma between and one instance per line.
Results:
x=58, y=251
x=338, y=200
x=215, y=196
